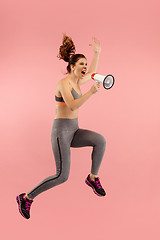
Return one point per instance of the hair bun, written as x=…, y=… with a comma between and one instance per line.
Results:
x=67, y=49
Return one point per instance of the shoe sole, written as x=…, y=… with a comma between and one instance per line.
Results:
x=88, y=183
x=18, y=201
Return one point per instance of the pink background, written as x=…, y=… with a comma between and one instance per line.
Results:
x=128, y=115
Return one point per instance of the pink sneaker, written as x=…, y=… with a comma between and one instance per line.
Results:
x=96, y=185
x=24, y=205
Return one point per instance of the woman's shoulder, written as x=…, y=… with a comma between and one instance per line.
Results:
x=63, y=82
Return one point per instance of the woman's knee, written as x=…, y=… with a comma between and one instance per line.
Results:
x=101, y=140
x=64, y=178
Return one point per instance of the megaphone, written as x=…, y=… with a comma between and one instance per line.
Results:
x=107, y=81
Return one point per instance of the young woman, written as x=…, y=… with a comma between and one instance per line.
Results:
x=65, y=131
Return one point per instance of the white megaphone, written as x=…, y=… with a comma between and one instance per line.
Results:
x=107, y=81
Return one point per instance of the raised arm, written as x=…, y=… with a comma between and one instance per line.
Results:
x=93, y=67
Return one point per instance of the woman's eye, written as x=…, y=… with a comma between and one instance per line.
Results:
x=83, y=64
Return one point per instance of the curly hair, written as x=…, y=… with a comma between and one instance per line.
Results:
x=67, y=52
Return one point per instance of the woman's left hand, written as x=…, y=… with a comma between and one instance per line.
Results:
x=95, y=45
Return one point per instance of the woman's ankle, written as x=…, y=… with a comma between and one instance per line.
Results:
x=92, y=176
x=25, y=196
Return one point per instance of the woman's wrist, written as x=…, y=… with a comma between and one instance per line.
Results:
x=97, y=52
x=90, y=91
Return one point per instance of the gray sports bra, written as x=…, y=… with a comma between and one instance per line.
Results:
x=60, y=100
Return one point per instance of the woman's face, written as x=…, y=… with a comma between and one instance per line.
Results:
x=80, y=68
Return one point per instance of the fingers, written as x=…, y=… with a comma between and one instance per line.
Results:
x=94, y=41
x=97, y=85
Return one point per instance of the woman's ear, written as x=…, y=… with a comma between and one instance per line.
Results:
x=72, y=67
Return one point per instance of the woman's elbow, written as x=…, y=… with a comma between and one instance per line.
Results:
x=71, y=107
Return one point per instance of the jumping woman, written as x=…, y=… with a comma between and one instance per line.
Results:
x=65, y=130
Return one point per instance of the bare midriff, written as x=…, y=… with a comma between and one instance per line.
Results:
x=65, y=112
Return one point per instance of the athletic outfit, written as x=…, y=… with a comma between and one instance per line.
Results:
x=65, y=134
x=59, y=100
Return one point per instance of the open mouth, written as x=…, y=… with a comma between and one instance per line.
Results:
x=83, y=72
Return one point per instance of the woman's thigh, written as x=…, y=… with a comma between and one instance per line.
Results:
x=84, y=137
x=61, y=142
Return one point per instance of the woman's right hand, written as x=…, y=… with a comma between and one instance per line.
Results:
x=95, y=88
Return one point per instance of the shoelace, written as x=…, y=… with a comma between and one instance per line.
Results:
x=98, y=184
x=28, y=205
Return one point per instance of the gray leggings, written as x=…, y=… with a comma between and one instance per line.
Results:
x=66, y=134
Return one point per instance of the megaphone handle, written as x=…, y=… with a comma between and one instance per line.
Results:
x=97, y=81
